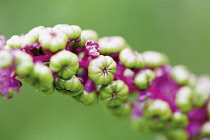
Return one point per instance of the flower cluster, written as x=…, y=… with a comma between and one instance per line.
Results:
x=170, y=100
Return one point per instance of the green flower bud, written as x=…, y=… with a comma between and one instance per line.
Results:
x=157, y=110
x=101, y=70
x=192, y=80
x=72, y=31
x=64, y=64
x=28, y=39
x=24, y=63
x=71, y=86
x=135, y=60
x=52, y=39
x=144, y=79
x=205, y=129
x=177, y=134
x=88, y=98
x=32, y=36
x=110, y=45
x=6, y=59
x=201, y=92
x=15, y=41
x=154, y=59
x=181, y=75
x=35, y=31
x=85, y=36
x=41, y=77
x=179, y=120
x=184, y=99
x=199, y=97
x=141, y=125
x=157, y=126
x=128, y=73
x=114, y=94
x=122, y=111
x=47, y=91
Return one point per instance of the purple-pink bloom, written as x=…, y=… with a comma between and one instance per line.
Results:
x=92, y=48
x=7, y=83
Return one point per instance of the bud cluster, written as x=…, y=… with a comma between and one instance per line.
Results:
x=170, y=100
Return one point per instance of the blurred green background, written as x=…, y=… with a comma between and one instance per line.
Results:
x=179, y=28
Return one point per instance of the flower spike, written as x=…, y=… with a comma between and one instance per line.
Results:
x=170, y=101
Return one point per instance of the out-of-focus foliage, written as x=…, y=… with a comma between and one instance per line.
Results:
x=180, y=28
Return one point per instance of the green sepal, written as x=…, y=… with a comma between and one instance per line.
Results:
x=114, y=94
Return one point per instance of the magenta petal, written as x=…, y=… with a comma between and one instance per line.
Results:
x=137, y=111
x=143, y=96
x=4, y=80
x=7, y=83
x=193, y=128
x=198, y=114
x=92, y=48
x=164, y=87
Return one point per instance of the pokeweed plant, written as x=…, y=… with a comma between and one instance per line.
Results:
x=171, y=101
